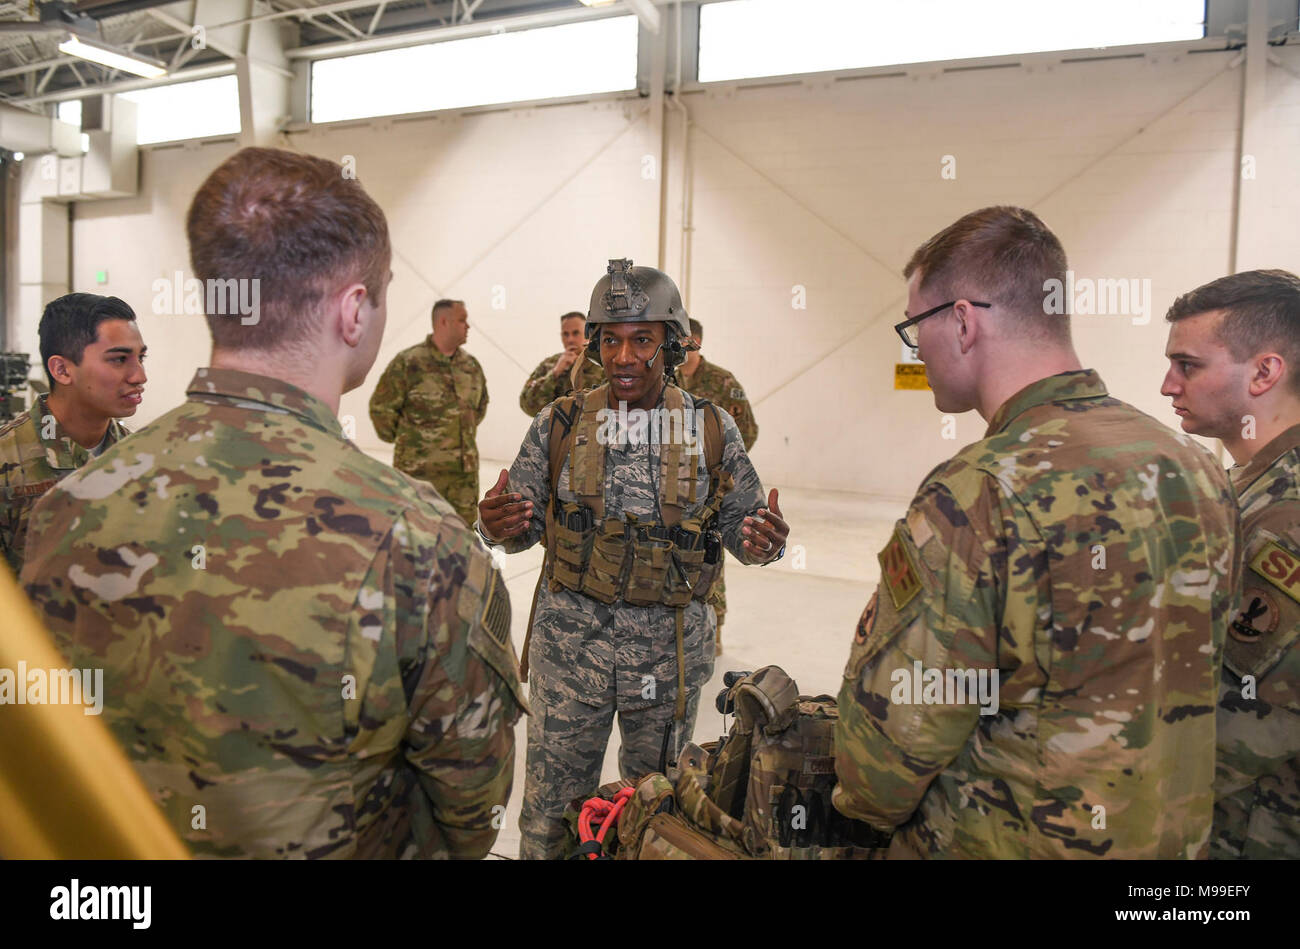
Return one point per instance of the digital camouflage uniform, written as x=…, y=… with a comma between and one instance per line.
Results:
x=431, y=405
x=295, y=637
x=542, y=388
x=1257, y=785
x=30, y=465
x=720, y=387
x=587, y=659
x=1088, y=555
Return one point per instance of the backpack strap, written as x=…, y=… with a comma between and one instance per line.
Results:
x=713, y=440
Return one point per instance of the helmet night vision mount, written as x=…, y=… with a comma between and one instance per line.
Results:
x=628, y=294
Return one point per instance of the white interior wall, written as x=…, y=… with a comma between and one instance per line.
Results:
x=825, y=184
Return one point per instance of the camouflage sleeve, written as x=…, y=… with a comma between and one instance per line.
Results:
x=388, y=398
x=9, y=520
x=736, y=404
x=530, y=476
x=746, y=495
x=541, y=388
x=462, y=680
x=480, y=412
x=936, y=605
x=1259, y=706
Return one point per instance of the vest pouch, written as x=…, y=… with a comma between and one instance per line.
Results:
x=683, y=578
x=710, y=565
x=652, y=560
x=574, y=534
x=609, y=552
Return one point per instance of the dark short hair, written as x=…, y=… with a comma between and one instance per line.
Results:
x=573, y=315
x=71, y=323
x=296, y=224
x=697, y=328
x=1261, y=313
x=1005, y=255
x=444, y=305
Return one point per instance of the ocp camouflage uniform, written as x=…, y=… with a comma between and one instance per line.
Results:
x=542, y=388
x=30, y=465
x=720, y=387
x=1257, y=785
x=587, y=659
x=431, y=405
x=295, y=638
x=1087, y=555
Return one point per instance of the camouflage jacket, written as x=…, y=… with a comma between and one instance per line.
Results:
x=1081, y=558
x=542, y=388
x=431, y=405
x=720, y=387
x=1257, y=787
x=30, y=465
x=585, y=649
x=305, y=653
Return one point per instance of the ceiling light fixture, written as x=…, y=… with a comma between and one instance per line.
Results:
x=106, y=55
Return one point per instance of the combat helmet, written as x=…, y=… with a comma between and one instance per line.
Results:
x=628, y=294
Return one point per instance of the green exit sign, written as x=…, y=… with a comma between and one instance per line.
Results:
x=101, y=276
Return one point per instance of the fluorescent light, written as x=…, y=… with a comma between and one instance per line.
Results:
x=112, y=58
x=596, y=3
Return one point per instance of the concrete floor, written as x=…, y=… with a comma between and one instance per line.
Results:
x=799, y=613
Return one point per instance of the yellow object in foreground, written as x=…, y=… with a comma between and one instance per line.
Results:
x=66, y=789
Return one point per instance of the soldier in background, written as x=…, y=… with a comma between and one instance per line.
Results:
x=1234, y=374
x=305, y=652
x=93, y=356
x=551, y=378
x=1037, y=673
x=711, y=382
x=623, y=628
x=430, y=401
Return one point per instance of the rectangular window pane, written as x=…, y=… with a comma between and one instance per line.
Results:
x=186, y=110
x=70, y=112
x=741, y=39
x=574, y=59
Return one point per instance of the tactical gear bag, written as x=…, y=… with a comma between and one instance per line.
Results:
x=762, y=792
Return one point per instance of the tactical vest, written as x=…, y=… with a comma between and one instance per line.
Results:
x=644, y=563
x=763, y=792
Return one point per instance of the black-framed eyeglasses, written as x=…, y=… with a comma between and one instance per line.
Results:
x=907, y=329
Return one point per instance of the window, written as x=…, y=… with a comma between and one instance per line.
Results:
x=574, y=59
x=184, y=110
x=70, y=112
x=741, y=39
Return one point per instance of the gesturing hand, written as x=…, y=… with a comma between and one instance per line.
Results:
x=765, y=531
x=504, y=515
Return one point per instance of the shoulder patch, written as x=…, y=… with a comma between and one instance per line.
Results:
x=737, y=392
x=737, y=411
x=898, y=573
x=485, y=604
x=1279, y=567
x=1259, y=616
x=867, y=621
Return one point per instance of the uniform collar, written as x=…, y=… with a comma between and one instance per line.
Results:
x=1264, y=458
x=1062, y=387
x=61, y=451
x=265, y=394
x=438, y=354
